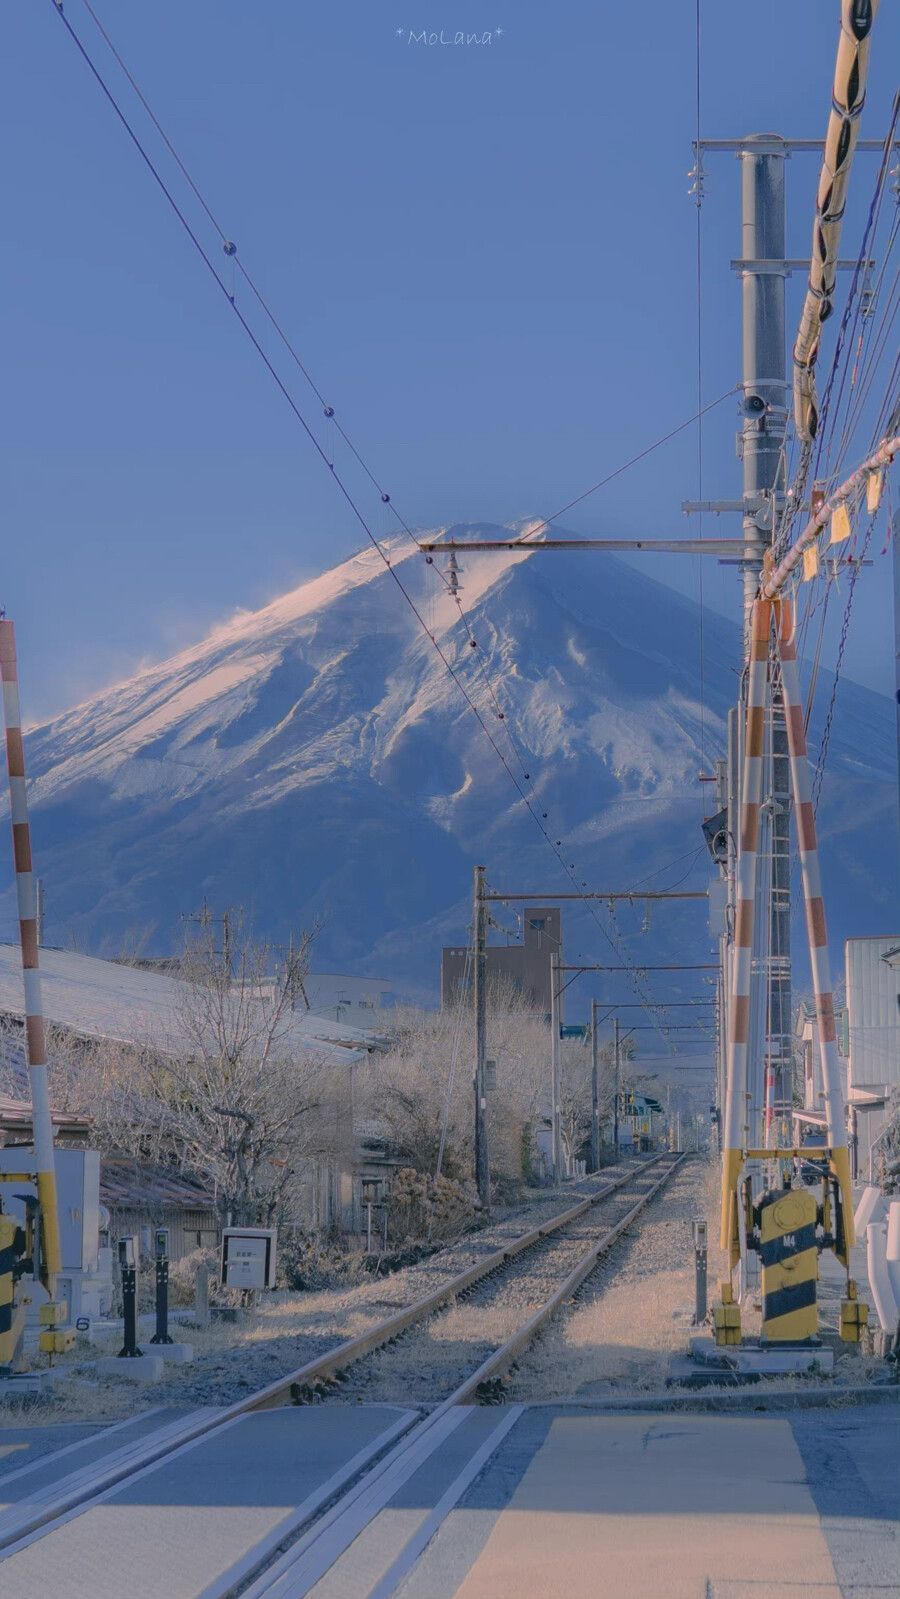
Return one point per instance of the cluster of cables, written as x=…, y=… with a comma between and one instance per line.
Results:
x=859, y=406
x=472, y=681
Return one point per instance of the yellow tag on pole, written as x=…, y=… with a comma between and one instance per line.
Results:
x=840, y=525
x=873, y=491
x=810, y=562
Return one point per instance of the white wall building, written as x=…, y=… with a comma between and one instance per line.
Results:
x=872, y=969
x=352, y=1000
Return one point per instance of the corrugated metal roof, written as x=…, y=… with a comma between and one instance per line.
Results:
x=101, y=999
x=130, y=1185
x=15, y=1117
x=873, y=1004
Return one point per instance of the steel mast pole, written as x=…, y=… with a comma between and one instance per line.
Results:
x=482, y=1158
x=595, y=1090
x=896, y=553
x=765, y=401
x=554, y=1067
x=616, y=1085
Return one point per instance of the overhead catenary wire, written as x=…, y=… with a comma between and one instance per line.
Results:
x=328, y=410
x=538, y=527
x=699, y=210
x=342, y=486
x=852, y=309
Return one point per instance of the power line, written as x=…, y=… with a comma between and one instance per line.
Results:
x=699, y=207
x=231, y=253
x=641, y=455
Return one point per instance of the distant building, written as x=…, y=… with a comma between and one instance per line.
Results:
x=526, y=965
x=87, y=998
x=811, y=1116
x=139, y=1197
x=872, y=971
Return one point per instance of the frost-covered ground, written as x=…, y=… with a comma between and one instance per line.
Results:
x=635, y=1313
x=286, y=1331
x=617, y=1339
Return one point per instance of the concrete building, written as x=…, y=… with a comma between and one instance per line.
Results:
x=809, y=1123
x=353, y=1000
x=872, y=972
x=525, y=963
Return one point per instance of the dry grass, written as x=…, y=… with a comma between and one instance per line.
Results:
x=636, y=1314
x=629, y=1320
x=286, y=1330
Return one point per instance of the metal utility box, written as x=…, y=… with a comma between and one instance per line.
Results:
x=83, y=1284
x=78, y=1188
x=248, y=1257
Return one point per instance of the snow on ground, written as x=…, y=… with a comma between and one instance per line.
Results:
x=101, y=999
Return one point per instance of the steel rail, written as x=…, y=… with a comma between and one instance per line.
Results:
x=304, y=1559
x=267, y=1398
x=364, y=1343
x=502, y=1358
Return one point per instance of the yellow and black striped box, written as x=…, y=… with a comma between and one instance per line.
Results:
x=790, y=1265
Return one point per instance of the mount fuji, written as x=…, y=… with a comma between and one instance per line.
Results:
x=315, y=760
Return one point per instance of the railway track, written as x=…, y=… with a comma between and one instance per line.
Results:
x=517, y=1288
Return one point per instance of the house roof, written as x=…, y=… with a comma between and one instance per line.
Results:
x=132, y=1185
x=101, y=999
x=15, y=1118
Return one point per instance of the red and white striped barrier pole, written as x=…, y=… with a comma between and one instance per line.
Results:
x=735, y=1140
x=814, y=906
x=34, y=1016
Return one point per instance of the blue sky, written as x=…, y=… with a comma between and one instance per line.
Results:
x=484, y=254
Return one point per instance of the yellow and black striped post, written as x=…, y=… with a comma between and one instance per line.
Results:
x=12, y=1316
x=35, y=1041
x=790, y=1265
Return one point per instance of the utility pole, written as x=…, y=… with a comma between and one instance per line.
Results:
x=482, y=1156
x=39, y=910
x=765, y=405
x=616, y=1086
x=763, y=269
x=595, y=1091
x=897, y=626
x=554, y=1067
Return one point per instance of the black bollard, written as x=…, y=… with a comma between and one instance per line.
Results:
x=700, y=1259
x=128, y=1267
x=161, y=1336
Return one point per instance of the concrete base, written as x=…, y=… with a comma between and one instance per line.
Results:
x=93, y=1331
x=142, y=1368
x=768, y=1359
x=741, y=1363
x=20, y=1383
x=178, y=1354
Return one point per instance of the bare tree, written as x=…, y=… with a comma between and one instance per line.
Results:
x=576, y=1091
x=420, y=1092
x=225, y=1089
